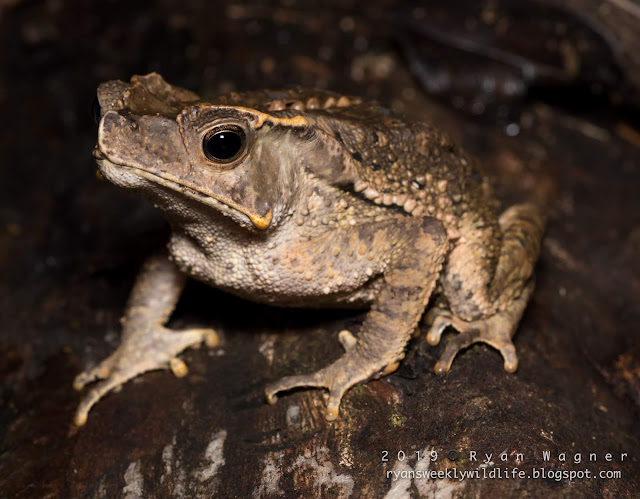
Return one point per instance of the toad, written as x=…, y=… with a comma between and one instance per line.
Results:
x=307, y=198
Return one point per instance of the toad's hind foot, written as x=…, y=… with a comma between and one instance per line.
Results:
x=496, y=331
x=139, y=352
x=493, y=331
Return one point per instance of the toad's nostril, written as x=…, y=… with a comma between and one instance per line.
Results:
x=97, y=153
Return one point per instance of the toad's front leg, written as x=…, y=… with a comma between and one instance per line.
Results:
x=146, y=344
x=417, y=248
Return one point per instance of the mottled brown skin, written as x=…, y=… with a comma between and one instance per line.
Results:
x=330, y=201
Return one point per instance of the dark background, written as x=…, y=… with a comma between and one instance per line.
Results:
x=545, y=93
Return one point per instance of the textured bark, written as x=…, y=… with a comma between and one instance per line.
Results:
x=70, y=248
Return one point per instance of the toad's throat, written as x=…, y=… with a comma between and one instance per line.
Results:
x=259, y=221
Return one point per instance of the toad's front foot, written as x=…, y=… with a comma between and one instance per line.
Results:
x=140, y=351
x=337, y=378
x=349, y=370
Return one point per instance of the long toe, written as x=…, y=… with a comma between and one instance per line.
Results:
x=97, y=392
x=337, y=378
x=101, y=371
x=454, y=345
x=290, y=382
x=143, y=351
x=438, y=320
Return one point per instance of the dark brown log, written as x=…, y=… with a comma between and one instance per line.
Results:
x=70, y=248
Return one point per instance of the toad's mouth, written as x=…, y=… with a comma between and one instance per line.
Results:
x=191, y=191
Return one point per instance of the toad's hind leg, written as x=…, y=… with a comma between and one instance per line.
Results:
x=487, y=308
x=417, y=248
x=146, y=344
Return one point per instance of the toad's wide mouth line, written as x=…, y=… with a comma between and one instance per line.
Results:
x=193, y=192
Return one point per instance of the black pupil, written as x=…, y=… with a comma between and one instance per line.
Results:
x=224, y=145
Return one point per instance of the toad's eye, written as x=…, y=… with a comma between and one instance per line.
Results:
x=224, y=144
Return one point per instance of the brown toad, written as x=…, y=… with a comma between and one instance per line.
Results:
x=309, y=198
